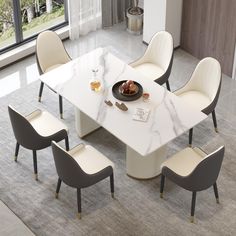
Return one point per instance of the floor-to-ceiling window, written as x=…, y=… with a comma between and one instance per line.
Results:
x=22, y=20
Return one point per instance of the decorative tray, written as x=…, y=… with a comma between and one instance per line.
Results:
x=117, y=93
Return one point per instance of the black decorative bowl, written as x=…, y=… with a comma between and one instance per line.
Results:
x=116, y=91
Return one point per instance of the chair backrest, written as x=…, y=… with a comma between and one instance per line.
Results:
x=71, y=173
x=68, y=169
x=24, y=132
x=206, y=172
x=206, y=77
x=160, y=50
x=50, y=51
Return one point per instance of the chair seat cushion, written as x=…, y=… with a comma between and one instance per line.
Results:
x=52, y=67
x=195, y=99
x=185, y=161
x=150, y=70
x=45, y=123
x=89, y=159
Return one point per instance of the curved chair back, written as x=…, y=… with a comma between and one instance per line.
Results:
x=203, y=176
x=24, y=132
x=50, y=51
x=27, y=136
x=160, y=50
x=206, y=77
x=206, y=172
x=71, y=173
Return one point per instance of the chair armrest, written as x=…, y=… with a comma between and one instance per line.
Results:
x=200, y=151
x=76, y=149
x=33, y=114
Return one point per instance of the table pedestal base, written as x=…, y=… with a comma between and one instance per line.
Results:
x=84, y=124
x=144, y=167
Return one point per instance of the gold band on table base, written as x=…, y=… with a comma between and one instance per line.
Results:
x=192, y=219
x=161, y=195
x=143, y=178
x=79, y=216
x=61, y=115
x=217, y=201
x=36, y=176
x=39, y=99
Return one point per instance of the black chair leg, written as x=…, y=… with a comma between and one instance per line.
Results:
x=112, y=184
x=162, y=185
x=190, y=137
x=168, y=85
x=35, y=164
x=214, y=120
x=67, y=144
x=58, y=187
x=40, y=91
x=17, y=151
x=79, y=202
x=61, y=106
x=216, y=193
x=194, y=194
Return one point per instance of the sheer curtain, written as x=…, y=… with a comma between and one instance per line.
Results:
x=84, y=16
x=114, y=11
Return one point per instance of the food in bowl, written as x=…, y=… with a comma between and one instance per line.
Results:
x=128, y=88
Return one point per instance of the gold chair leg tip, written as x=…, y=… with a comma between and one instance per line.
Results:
x=56, y=195
x=161, y=195
x=15, y=158
x=217, y=201
x=39, y=99
x=192, y=219
x=112, y=195
x=79, y=216
x=216, y=129
x=61, y=116
x=190, y=145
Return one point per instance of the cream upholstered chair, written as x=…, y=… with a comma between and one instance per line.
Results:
x=203, y=89
x=193, y=170
x=36, y=131
x=81, y=167
x=50, y=54
x=156, y=63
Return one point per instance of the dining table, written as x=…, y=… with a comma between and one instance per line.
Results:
x=147, y=124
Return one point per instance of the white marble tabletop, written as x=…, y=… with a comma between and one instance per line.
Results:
x=169, y=116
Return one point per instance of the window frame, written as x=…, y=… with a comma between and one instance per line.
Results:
x=19, y=40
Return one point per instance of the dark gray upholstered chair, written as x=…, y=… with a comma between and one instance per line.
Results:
x=36, y=131
x=193, y=170
x=203, y=89
x=50, y=54
x=156, y=63
x=81, y=167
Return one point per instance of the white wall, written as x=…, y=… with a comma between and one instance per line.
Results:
x=162, y=15
x=154, y=18
x=141, y=2
x=174, y=19
x=234, y=64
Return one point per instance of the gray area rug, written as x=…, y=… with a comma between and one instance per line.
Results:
x=137, y=208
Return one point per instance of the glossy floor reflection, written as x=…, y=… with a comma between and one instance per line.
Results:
x=25, y=72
